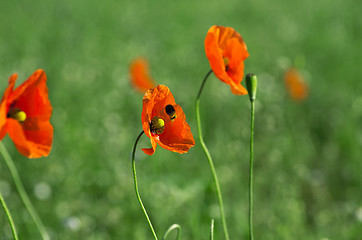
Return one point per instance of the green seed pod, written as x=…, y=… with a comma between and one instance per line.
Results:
x=251, y=85
x=157, y=125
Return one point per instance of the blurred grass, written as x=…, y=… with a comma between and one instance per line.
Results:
x=307, y=155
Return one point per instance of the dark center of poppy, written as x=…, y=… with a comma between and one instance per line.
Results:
x=17, y=114
x=171, y=112
x=157, y=125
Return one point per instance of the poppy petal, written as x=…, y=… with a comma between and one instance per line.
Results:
x=32, y=97
x=32, y=148
x=17, y=135
x=176, y=135
x=226, y=52
x=150, y=151
x=40, y=133
x=4, y=105
x=140, y=76
x=295, y=84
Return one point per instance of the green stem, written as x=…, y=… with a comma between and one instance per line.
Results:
x=217, y=186
x=10, y=219
x=251, y=171
x=24, y=197
x=170, y=229
x=212, y=230
x=136, y=186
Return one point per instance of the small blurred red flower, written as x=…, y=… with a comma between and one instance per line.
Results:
x=164, y=122
x=25, y=113
x=226, y=52
x=140, y=77
x=295, y=84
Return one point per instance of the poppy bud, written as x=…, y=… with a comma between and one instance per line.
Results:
x=251, y=85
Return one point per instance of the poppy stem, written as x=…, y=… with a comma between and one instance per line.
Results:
x=136, y=186
x=212, y=230
x=10, y=219
x=211, y=163
x=251, y=84
x=170, y=229
x=24, y=197
x=203, y=84
x=251, y=171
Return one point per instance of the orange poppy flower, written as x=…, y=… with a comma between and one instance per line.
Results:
x=164, y=122
x=140, y=76
x=226, y=52
x=295, y=84
x=25, y=113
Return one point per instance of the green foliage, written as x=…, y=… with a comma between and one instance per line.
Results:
x=307, y=162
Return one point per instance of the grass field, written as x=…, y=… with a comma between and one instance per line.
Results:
x=308, y=158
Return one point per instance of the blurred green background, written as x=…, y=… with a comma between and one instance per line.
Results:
x=307, y=155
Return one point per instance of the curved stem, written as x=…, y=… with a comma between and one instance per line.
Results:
x=24, y=197
x=251, y=171
x=170, y=229
x=136, y=186
x=10, y=219
x=211, y=163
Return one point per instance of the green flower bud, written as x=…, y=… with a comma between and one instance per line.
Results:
x=251, y=85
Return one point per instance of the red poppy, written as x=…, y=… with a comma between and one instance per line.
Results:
x=140, y=76
x=25, y=113
x=295, y=84
x=164, y=122
x=226, y=52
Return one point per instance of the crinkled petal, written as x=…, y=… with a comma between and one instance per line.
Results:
x=176, y=136
x=225, y=43
x=154, y=102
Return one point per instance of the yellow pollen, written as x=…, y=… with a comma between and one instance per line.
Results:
x=157, y=125
x=226, y=61
x=17, y=114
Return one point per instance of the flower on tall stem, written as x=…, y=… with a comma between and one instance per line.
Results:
x=164, y=122
x=295, y=85
x=25, y=113
x=140, y=76
x=226, y=52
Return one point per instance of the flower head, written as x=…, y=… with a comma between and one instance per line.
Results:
x=295, y=84
x=164, y=122
x=25, y=113
x=140, y=76
x=226, y=52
